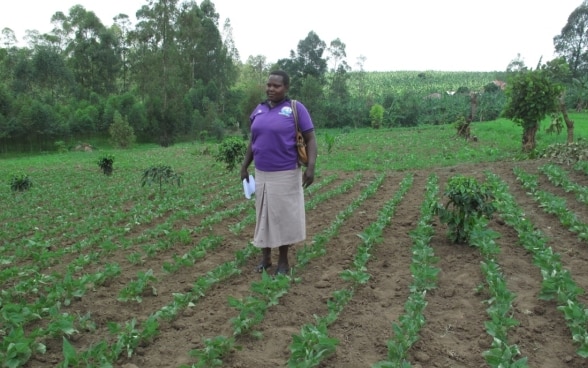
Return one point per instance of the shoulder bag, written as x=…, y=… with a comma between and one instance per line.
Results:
x=300, y=143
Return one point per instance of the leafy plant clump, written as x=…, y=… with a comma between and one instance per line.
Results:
x=105, y=163
x=468, y=201
x=567, y=153
x=21, y=183
x=231, y=152
x=160, y=174
x=377, y=115
x=330, y=141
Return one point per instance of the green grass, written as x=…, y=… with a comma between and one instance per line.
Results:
x=361, y=149
x=433, y=146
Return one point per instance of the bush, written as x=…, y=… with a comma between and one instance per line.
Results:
x=121, y=132
x=20, y=183
x=106, y=164
x=468, y=201
x=231, y=151
x=377, y=116
x=160, y=174
x=60, y=146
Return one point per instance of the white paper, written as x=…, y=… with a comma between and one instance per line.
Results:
x=249, y=188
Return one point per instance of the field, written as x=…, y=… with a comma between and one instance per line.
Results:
x=100, y=271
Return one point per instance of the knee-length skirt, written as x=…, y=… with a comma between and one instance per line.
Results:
x=279, y=207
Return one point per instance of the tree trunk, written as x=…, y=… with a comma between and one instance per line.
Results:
x=473, y=106
x=529, y=137
x=569, y=123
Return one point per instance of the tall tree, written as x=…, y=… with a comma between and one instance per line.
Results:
x=572, y=42
x=308, y=61
x=158, y=63
x=339, y=71
x=121, y=28
x=91, y=53
x=8, y=38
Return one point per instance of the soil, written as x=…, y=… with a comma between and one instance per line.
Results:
x=454, y=334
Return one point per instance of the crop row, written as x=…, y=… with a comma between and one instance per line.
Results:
x=35, y=296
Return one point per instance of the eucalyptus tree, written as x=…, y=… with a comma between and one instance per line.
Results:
x=51, y=76
x=156, y=65
x=336, y=105
x=216, y=61
x=572, y=42
x=8, y=38
x=91, y=51
x=339, y=72
x=121, y=28
x=255, y=71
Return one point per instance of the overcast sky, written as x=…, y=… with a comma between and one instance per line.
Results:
x=449, y=35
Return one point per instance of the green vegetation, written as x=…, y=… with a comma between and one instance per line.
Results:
x=468, y=201
x=20, y=183
x=85, y=81
x=121, y=132
x=231, y=152
x=160, y=174
x=106, y=163
x=168, y=236
x=377, y=116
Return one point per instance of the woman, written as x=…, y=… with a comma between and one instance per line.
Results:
x=279, y=181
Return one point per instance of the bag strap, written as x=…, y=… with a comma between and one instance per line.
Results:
x=295, y=112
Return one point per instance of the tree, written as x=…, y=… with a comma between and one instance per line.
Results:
x=50, y=72
x=307, y=61
x=531, y=95
x=92, y=53
x=559, y=72
x=572, y=42
x=339, y=72
x=8, y=38
x=159, y=66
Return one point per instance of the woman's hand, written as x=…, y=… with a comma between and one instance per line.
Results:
x=308, y=177
x=244, y=174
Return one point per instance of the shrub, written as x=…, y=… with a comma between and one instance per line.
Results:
x=121, y=132
x=160, y=174
x=468, y=201
x=20, y=183
x=60, y=146
x=105, y=163
x=377, y=115
x=231, y=152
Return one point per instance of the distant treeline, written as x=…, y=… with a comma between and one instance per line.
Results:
x=176, y=76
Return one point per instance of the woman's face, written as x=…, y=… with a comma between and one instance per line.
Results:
x=275, y=88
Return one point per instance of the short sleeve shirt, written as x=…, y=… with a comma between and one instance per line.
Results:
x=273, y=135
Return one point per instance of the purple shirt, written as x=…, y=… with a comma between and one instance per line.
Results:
x=273, y=135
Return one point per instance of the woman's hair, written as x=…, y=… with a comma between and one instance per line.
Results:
x=284, y=75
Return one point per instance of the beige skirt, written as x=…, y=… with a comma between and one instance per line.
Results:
x=279, y=207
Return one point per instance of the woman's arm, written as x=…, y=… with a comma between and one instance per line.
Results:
x=246, y=162
x=311, y=152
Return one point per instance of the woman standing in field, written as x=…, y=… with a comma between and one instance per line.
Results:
x=279, y=182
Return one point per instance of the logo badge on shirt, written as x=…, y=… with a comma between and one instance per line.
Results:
x=286, y=111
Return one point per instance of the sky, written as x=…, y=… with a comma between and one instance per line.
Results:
x=416, y=35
